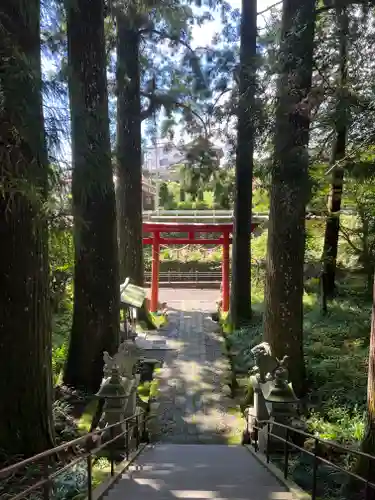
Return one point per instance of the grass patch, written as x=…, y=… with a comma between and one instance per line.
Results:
x=235, y=436
x=100, y=472
x=148, y=390
x=61, y=326
x=225, y=322
x=159, y=320
x=336, y=353
x=84, y=423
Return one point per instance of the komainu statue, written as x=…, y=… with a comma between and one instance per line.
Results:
x=273, y=397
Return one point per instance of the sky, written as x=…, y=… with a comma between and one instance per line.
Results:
x=203, y=35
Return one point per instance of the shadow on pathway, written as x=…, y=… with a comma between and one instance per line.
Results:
x=194, y=405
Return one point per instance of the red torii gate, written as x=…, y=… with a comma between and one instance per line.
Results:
x=191, y=228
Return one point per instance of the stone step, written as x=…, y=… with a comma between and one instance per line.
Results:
x=199, y=472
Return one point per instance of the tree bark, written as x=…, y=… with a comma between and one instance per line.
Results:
x=283, y=319
x=362, y=467
x=129, y=157
x=331, y=236
x=241, y=253
x=26, y=425
x=96, y=314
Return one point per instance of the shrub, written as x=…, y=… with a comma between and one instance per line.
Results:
x=71, y=482
x=65, y=425
x=185, y=205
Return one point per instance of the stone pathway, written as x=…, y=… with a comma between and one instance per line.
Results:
x=193, y=410
x=194, y=402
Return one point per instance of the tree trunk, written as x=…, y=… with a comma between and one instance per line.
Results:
x=283, y=320
x=241, y=254
x=96, y=284
x=366, y=257
x=355, y=489
x=129, y=158
x=26, y=425
x=331, y=237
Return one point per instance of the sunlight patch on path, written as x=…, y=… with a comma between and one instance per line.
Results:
x=193, y=407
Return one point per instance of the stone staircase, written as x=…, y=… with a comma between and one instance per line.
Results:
x=199, y=472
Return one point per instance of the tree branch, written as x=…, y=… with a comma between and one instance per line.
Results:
x=348, y=240
x=340, y=3
x=168, y=36
x=269, y=8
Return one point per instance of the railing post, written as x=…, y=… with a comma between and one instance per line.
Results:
x=89, y=477
x=145, y=436
x=111, y=452
x=127, y=439
x=367, y=487
x=47, y=484
x=268, y=443
x=286, y=454
x=315, y=466
x=137, y=431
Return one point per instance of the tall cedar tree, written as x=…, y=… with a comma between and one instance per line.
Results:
x=331, y=236
x=25, y=327
x=241, y=258
x=283, y=327
x=129, y=157
x=96, y=283
x=363, y=467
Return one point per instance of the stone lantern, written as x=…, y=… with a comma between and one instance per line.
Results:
x=281, y=400
x=113, y=392
x=281, y=403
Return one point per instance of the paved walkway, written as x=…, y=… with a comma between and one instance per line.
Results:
x=194, y=409
x=194, y=403
x=199, y=472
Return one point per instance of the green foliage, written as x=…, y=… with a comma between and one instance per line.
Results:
x=240, y=343
x=84, y=423
x=148, y=390
x=61, y=249
x=65, y=425
x=166, y=198
x=260, y=200
x=191, y=253
x=62, y=322
x=336, y=349
x=71, y=482
x=340, y=424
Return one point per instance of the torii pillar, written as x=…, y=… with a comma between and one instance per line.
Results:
x=225, y=272
x=155, y=264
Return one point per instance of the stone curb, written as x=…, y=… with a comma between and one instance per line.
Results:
x=105, y=487
x=293, y=488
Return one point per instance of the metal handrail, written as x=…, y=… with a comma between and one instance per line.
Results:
x=188, y=212
x=317, y=458
x=186, y=276
x=197, y=214
x=136, y=421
